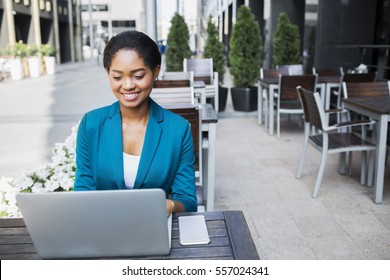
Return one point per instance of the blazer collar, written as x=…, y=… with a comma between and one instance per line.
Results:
x=151, y=142
x=114, y=143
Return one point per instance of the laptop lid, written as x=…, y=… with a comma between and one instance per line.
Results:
x=84, y=224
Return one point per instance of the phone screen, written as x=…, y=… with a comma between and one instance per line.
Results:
x=193, y=230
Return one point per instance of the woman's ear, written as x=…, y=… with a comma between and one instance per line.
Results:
x=156, y=71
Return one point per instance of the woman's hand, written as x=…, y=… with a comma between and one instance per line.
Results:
x=170, y=206
x=173, y=206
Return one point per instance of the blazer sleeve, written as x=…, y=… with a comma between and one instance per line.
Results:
x=183, y=187
x=84, y=176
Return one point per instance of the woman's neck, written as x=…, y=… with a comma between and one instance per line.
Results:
x=135, y=115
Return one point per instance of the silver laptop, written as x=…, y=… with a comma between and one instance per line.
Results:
x=89, y=224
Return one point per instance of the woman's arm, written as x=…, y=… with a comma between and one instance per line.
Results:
x=84, y=178
x=183, y=187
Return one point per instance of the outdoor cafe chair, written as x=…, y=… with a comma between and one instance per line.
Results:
x=329, y=140
x=264, y=93
x=366, y=89
x=177, y=75
x=287, y=97
x=204, y=71
x=352, y=78
x=193, y=114
x=174, y=87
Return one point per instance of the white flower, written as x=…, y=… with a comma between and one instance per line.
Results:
x=43, y=172
x=57, y=175
x=51, y=185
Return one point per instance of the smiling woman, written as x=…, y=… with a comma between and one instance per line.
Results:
x=134, y=143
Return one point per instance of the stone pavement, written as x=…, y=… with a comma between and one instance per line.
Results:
x=254, y=171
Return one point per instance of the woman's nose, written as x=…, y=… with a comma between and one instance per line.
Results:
x=128, y=83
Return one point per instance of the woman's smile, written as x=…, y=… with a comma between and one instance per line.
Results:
x=130, y=96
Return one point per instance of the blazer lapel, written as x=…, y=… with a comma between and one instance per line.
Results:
x=114, y=144
x=151, y=142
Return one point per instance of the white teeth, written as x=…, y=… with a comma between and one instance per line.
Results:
x=130, y=94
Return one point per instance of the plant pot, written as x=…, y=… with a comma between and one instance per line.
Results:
x=244, y=99
x=16, y=67
x=34, y=66
x=222, y=99
x=50, y=64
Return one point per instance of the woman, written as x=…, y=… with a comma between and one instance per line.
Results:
x=134, y=143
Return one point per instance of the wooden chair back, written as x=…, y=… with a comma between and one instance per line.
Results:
x=171, y=83
x=328, y=72
x=168, y=95
x=288, y=85
x=358, y=77
x=293, y=69
x=202, y=68
x=312, y=112
x=174, y=87
x=273, y=73
x=177, y=75
x=364, y=89
x=353, y=78
x=192, y=113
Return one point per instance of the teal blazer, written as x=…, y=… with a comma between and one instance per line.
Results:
x=167, y=159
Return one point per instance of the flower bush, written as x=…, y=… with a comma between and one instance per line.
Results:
x=57, y=175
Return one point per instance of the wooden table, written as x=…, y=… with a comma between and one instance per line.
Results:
x=377, y=108
x=228, y=231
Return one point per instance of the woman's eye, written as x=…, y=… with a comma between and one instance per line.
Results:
x=117, y=78
x=139, y=77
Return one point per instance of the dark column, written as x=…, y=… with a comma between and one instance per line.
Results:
x=257, y=8
x=227, y=30
x=64, y=32
x=295, y=10
x=341, y=23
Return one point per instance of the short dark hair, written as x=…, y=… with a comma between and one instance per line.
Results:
x=146, y=48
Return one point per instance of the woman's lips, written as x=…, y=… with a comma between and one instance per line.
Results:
x=130, y=96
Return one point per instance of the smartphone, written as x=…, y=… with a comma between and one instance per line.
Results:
x=193, y=230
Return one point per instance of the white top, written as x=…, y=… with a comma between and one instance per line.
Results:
x=130, y=167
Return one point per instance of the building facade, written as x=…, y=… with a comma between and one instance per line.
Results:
x=54, y=22
x=333, y=32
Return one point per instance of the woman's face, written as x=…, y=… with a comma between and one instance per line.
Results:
x=131, y=80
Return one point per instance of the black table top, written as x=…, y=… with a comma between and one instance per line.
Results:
x=228, y=231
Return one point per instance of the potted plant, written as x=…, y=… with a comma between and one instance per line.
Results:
x=215, y=49
x=47, y=53
x=286, y=42
x=34, y=64
x=178, y=47
x=16, y=52
x=245, y=58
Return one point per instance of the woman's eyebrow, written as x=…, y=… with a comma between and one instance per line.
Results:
x=132, y=71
